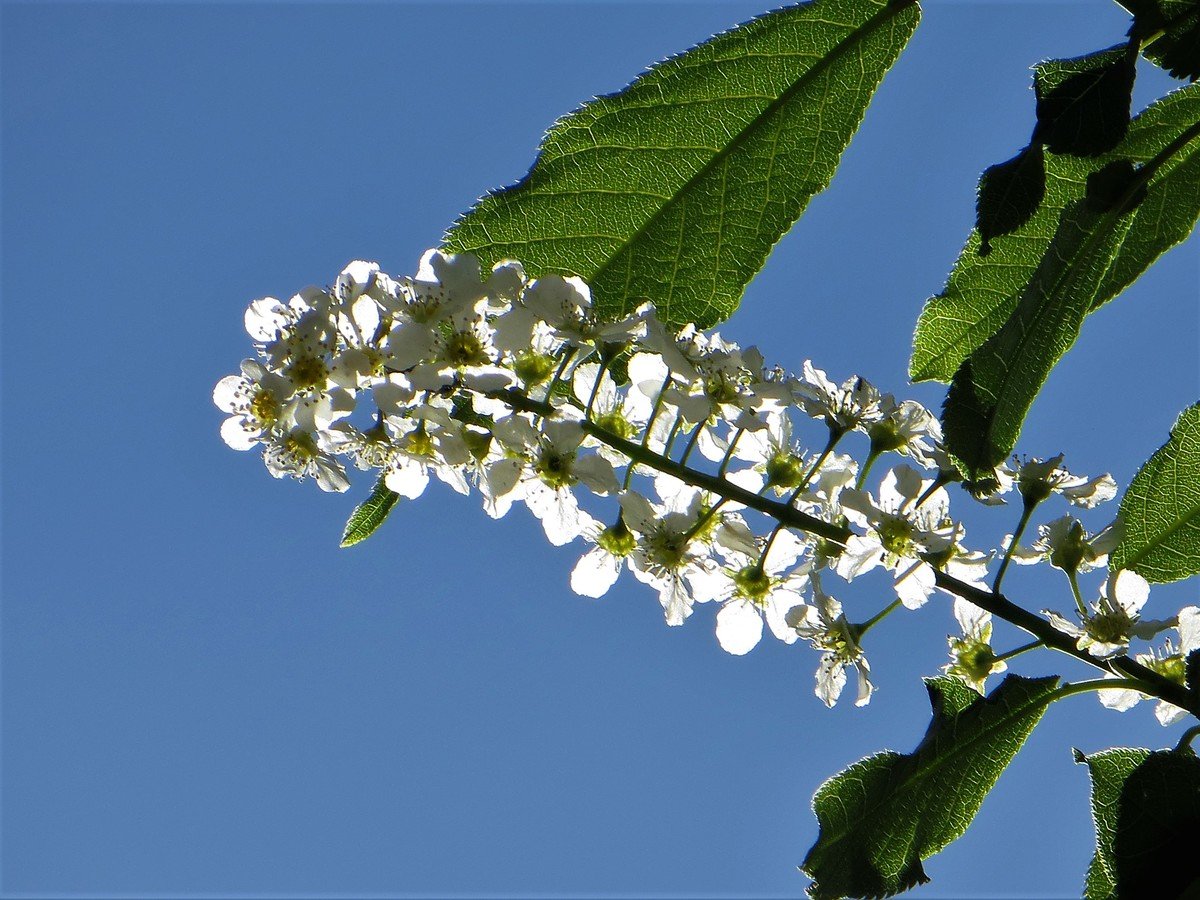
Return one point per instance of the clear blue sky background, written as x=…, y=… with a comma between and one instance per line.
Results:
x=203, y=695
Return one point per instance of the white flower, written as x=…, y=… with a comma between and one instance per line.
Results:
x=667, y=551
x=1067, y=545
x=255, y=400
x=1171, y=663
x=754, y=590
x=296, y=453
x=553, y=466
x=778, y=461
x=599, y=568
x=622, y=415
x=901, y=533
x=565, y=304
x=1114, y=619
x=1037, y=479
x=826, y=628
x=971, y=656
x=907, y=428
x=427, y=443
x=853, y=404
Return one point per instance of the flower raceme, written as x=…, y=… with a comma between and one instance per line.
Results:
x=514, y=387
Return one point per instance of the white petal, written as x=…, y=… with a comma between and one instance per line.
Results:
x=236, y=436
x=1189, y=629
x=407, y=478
x=597, y=473
x=779, y=609
x=831, y=678
x=595, y=573
x=971, y=618
x=739, y=627
x=558, y=512
x=862, y=554
x=226, y=393
x=675, y=599
x=1129, y=589
x=331, y=476
x=865, y=687
x=264, y=317
x=1119, y=699
x=1168, y=713
x=915, y=583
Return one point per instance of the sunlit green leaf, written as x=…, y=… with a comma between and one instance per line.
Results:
x=1146, y=806
x=675, y=189
x=1161, y=508
x=369, y=515
x=885, y=814
x=983, y=291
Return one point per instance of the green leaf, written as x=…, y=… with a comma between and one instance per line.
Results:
x=369, y=514
x=1161, y=508
x=1083, y=103
x=993, y=389
x=1146, y=806
x=1170, y=30
x=885, y=814
x=984, y=291
x=675, y=189
x=1009, y=194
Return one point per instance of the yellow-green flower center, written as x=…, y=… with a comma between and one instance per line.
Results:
x=264, y=407
x=301, y=445
x=464, y=348
x=533, y=368
x=784, y=470
x=307, y=372
x=896, y=536
x=752, y=583
x=554, y=468
x=616, y=423
x=617, y=540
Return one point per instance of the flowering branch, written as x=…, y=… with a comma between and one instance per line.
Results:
x=507, y=384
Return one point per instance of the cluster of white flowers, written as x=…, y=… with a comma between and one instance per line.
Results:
x=518, y=388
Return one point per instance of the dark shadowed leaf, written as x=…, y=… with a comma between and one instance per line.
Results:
x=1170, y=30
x=885, y=814
x=675, y=189
x=1083, y=103
x=1161, y=508
x=983, y=293
x=1146, y=807
x=1009, y=194
x=1114, y=186
x=369, y=515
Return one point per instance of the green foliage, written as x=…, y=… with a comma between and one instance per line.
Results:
x=1009, y=194
x=369, y=515
x=1102, y=228
x=984, y=291
x=1083, y=103
x=1170, y=31
x=1146, y=806
x=675, y=189
x=1161, y=508
x=885, y=814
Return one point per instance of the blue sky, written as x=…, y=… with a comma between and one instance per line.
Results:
x=203, y=695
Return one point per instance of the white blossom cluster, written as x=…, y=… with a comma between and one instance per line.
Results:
x=519, y=389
